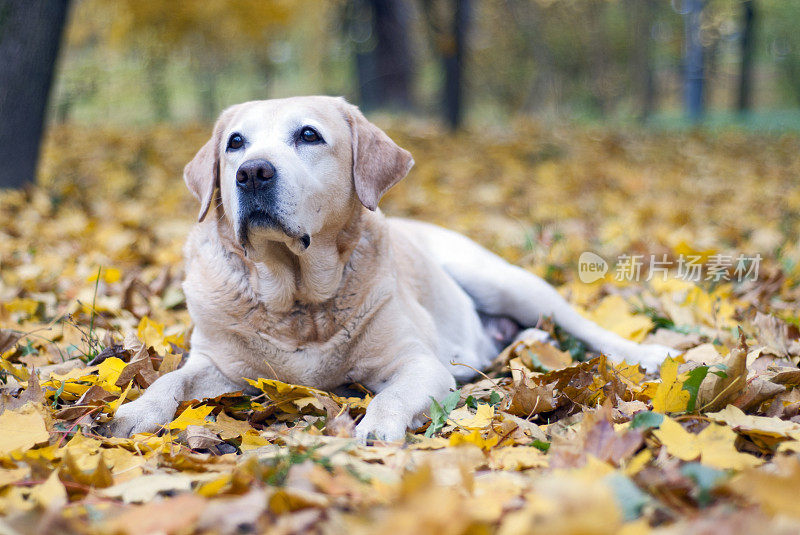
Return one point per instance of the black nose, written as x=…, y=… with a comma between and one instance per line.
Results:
x=254, y=174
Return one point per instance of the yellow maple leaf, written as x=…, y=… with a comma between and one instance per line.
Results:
x=614, y=314
x=190, y=416
x=213, y=487
x=22, y=429
x=718, y=450
x=517, y=458
x=670, y=395
x=297, y=398
x=637, y=462
x=109, y=275
x=50, y=494
x=475, y=438
x=479, y=420
x=716, y=309
x=714, y=445
x=19, y=372
x=251, y=440
x=114, y=405
x=179, y=339
x=755, y=425
x=150, y=333
x=12, y=475
x=108, y=373
x=775, y=490
x=683, y=248
x=28, y=307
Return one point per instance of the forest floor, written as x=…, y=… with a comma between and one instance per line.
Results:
x=698, y=233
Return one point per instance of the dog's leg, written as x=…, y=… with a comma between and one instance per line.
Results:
x=508, y=289
x=500, y=288
x=403, y=397
x=198, y=379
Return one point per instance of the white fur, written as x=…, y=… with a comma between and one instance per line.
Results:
x=390, y=303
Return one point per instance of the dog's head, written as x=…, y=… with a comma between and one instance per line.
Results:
x=290, y=169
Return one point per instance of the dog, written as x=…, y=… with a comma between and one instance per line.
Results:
x=293, y=273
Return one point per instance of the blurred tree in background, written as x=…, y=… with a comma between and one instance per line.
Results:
x=486, y=61
x=379, y=30
x=205, y=36
x=136, y=63
x=30, y=34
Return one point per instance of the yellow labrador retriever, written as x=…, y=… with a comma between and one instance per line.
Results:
x=293, y=273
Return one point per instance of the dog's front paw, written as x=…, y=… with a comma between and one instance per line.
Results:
x=380, y=425
x=140, y=416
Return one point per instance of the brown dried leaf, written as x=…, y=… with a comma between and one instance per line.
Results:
x=141, y=369
x=33, y=393
x=756, y=392
x=8, y=338
x=199, y=437
x=716, y=392
x=774, y=334
x=529, y=398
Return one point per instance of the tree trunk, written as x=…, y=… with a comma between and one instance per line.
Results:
x=383, y=60
x=745, y=100
x=30, y=35
x=454, y=56
x=599, y=64
x=642, y=16
x=693, y=68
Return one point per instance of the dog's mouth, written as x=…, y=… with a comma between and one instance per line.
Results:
x=259, y=219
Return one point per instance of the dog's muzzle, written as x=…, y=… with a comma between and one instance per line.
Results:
x=257, y=184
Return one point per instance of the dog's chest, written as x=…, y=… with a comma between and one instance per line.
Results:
x=304, y=325
x=263, y=330
x=308, y=345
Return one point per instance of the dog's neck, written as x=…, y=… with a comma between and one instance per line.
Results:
x=287, y=279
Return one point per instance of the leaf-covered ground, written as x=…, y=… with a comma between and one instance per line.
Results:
x=549, y=441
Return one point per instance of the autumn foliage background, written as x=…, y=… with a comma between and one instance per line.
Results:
x=548, y=440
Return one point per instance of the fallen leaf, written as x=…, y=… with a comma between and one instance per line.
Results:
x=541, y=356
x=198, y=437
x=614, y=314
x=23, y=428
x=190, y=416
x=757, y=425
x=8, y=338
x=714, y=445
x=703, y=354
x=145, y=488
x=670, y=395
x=479, y=420
x=172, y=515
x=774, y=334
x=716, y=392
x=775, y=491
x=474, y=438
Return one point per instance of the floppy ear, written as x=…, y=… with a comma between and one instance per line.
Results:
x=378, y=163
x=202, y=174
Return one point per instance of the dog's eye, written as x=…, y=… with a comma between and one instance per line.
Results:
x=236, y=141
x=309, y=135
